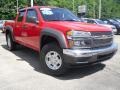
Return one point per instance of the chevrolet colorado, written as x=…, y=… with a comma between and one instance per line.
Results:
x=60, y=38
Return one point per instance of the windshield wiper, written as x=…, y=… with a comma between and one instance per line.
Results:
x=55, y=20
x=71, y=20
x=65, y=20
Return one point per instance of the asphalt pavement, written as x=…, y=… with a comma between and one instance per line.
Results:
x=20, y=70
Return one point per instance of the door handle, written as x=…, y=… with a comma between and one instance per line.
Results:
x=33, y=27
x=24, y=26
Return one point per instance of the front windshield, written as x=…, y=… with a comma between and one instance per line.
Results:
x=58, y=14
x=100, y=21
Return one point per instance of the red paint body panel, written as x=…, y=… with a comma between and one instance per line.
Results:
x=64, y=26
x=30, y=36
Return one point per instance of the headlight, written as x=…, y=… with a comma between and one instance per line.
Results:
x=72, y=33
x=79, y=39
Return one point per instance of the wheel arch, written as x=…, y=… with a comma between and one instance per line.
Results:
x=53, y=35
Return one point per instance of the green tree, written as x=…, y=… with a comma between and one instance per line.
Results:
x=110, y=8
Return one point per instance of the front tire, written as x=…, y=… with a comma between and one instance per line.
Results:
x=51, y=59
x=10, y=43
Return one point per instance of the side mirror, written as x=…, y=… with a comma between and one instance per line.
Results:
x=33, y=20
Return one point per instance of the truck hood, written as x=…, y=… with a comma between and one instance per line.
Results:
x=65, y=26
x=109, y=26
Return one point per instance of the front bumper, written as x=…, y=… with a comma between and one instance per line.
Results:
x=84, y=56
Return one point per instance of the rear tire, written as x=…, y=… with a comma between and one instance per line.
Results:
x=3, y=30
x=51, y=59
x=10, y=43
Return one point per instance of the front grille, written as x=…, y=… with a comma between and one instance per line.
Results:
x=102, y=39
x=102, y=42
x=101, y=33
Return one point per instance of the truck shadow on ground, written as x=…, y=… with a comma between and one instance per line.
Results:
x=32, y=58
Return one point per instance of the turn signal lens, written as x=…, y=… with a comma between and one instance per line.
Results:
x=71, y=43
x=69, y=34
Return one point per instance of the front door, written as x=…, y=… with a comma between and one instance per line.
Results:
x=31, y=29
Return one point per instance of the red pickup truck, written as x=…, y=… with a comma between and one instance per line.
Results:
x=60, y=38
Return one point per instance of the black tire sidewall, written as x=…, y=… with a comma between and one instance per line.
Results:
x=11, y=40
x=45, y=68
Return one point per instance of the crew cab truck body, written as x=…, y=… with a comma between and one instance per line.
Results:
x=60, y=38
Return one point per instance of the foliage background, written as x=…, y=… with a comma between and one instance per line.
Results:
x=110, y=8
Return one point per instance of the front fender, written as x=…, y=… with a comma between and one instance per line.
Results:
x=56, y=34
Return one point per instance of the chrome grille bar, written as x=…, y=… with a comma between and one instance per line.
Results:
x=102, y=39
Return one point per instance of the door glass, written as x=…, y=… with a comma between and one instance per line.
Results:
x=20, y=16
x=31, y=16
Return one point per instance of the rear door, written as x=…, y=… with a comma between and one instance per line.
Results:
x=18, y=26
x=31, y=29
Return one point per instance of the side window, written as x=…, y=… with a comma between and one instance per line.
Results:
x=31, y=16
x=20, y=16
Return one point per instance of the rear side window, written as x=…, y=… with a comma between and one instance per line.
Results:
x=31, y=13
x=21, y=15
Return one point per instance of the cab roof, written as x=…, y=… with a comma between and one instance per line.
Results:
x=37, y=7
